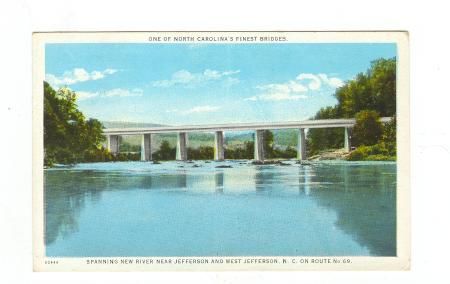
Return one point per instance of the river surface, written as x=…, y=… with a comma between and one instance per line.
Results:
x=197, y=209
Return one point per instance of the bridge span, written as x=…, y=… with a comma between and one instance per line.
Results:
x=113, y=135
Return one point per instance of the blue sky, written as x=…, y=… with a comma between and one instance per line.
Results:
x=178, y=84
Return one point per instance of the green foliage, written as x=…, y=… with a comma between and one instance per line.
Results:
x=285, y=137
x=368, y=128
x=268, y=144
x=247, y=152
x=165, y=152
x=270, y=152
x=127, y=147
x=127, y=157
x=98, y=155
x=374, y=90
x=288, y=153
x=324, y=138
x=68, y=136
x=384, y=150
x=390, y=131
x=201, y=153
x=377, y=152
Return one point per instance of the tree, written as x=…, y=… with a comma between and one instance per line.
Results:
x=373, y=90
x=384, y=83
x=324, y=138
x=268, y=144
x=368, y=128
x=68, y=137
x=165, y=152
x=201, y=153
x=389, y=137
x=390, y=131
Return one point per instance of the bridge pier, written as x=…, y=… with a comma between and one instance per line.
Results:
x=181, y=146
x=218, y=146
x=301, y=145
x=146, y=147
x=259, y=145
x=347, y=139
x=113, y=144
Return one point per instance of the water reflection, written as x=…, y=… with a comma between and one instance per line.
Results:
x=362, y=197
x=264, y=179
x=66, y=192
x=365, y=202
x=304, y=179
x=218, y=177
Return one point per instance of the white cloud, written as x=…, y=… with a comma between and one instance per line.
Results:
x=253, y=98
x=118, y=92
x=77, y=75
x=280, y=92
x=86, y=95
x=109, y=71
x=314, y=81
x=124, y=93
x=332, y=82
x=230, y=81
x=274, y=87
x=199, y=109
x=184, y=77
x=229, y=73
x=295, y=89
x=278, y=97
x=211, y=74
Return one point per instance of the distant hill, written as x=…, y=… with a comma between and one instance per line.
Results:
x=286, y=137
x=126, y=124
x=283, y=138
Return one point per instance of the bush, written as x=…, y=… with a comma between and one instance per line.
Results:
x=368, y=128
x=165, y=152
x=247, y=152
x=356, y=155
x=201, y=153
x=288, y=153
x=377, y=152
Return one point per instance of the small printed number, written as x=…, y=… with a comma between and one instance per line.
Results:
x=51, y=262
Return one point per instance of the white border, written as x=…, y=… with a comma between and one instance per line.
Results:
x=401, y=262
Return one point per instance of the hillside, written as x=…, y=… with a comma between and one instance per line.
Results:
x=282, y=138
x=126, y=124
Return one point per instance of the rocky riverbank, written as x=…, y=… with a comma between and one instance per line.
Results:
x=333, y=154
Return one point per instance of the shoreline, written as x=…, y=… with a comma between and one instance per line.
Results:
x=274, y=162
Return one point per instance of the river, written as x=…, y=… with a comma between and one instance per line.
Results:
x=197, y=209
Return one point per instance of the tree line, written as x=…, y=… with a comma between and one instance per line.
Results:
x=68, y=136
x=367, y=97
x=71, y=138
x=166, y=152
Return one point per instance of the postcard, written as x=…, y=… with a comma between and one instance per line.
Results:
x=216, y=151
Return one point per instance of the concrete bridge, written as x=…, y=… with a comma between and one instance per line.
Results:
x=113, y=135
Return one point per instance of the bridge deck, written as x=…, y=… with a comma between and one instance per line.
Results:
x=319, y=123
